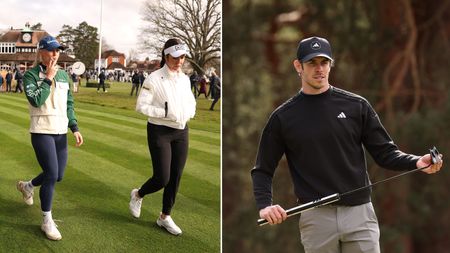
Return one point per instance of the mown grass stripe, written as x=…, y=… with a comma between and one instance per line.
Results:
x=20, y=98
x=112, y=172
x=137, y=122
x=116, y=129
x=89, y=202
x=77, y=195
x=137, y=156
x=197, y=163
x=205, y=147
x=13, y=112
x=142, y=124
x=108, y=117
x=107, y=170
x=83, y=185
x=22, y=105
x=139, y=135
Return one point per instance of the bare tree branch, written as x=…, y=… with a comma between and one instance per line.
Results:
x=196, y=22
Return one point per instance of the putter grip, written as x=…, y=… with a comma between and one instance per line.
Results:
x=310, y=205
x=435, y=157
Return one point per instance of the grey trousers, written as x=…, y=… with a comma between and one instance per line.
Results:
x=340, y=229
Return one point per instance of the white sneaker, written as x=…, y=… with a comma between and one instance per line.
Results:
x=50, y=230
x=169, y=225
x=135, y=204
x=26, y=192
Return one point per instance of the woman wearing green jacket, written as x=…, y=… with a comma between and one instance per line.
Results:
x=51, y=113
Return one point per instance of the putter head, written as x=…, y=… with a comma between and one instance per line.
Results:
x=435, y=157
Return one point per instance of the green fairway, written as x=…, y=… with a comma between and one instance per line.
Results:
x=90, y=205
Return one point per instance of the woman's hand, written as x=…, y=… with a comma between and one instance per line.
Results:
x=51, y=70
x=78, y=138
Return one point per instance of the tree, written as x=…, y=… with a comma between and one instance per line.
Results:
x=37, y=26
x=105, y=45
x=83, y=40
x=67, y=36
x=196, y=22
x=132, y=55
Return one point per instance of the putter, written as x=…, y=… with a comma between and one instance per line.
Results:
x=435, y=158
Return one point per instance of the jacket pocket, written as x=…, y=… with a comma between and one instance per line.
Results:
x=41, y=123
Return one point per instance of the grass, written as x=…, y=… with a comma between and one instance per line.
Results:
x=91, y=203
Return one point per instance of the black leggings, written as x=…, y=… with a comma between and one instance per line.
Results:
x=101, y=84
x=168, y=149
x=134, y=86
x=214, y=103
x=51, y=153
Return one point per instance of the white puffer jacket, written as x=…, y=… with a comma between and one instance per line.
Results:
x=164, y=86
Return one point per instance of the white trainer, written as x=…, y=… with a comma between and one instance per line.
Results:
x=169, y=225
x=135, y=204
x=50, y=229
x=27, y=193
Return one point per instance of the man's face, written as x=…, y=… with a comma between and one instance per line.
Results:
x=49, y=56
x=173, y=63
x=314, y=73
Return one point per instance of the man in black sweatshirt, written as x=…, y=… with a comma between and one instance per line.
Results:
x=323, y=131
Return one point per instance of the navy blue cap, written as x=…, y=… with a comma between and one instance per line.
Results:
x=50, y=43
x=313, y=47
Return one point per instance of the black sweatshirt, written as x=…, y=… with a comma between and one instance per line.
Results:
x=323, y=137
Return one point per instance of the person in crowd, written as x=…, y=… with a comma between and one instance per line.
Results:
x=194, y=82
x=101, y=83
x=2, y=80
x=19, y=81
x=202, y=90
x=136, y=80
x=75, y=80
x=215, y=82
x=8, y=78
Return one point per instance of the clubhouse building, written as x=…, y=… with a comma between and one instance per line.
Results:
x=18, y=49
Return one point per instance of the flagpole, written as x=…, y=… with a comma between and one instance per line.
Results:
x=100, y=39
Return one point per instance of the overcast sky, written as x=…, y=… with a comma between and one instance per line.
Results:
x=121, y=19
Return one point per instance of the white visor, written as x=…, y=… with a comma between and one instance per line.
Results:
x=176, y=50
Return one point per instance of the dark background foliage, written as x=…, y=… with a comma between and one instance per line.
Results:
x=394, y=53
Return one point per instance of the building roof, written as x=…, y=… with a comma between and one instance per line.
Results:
x=14, y=35
x=30, y=57
x=109, y=53
x=144, y=65
x=116, y=65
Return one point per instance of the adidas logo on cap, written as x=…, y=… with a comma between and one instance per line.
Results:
x=315, y=45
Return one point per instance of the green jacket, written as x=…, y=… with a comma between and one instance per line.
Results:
x=50, y=102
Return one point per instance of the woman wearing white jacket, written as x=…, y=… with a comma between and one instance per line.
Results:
x=167, y=100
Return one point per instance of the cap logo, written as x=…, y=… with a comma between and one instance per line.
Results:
x=315, y=45
x=179, y=47
x=176, y=50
